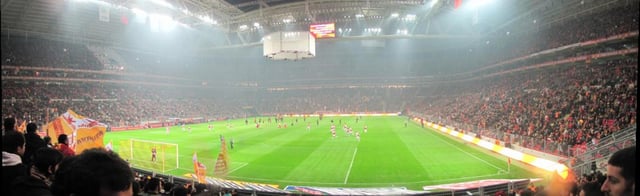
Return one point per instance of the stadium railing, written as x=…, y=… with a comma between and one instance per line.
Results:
x=596, y=155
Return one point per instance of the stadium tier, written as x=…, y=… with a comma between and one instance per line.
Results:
x=317, y=97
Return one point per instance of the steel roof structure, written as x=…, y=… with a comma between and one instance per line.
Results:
x=76, y=20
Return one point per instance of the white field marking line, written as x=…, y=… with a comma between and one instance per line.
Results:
x=242, y=164
x=492, y=165
x=350, y=165
x=237, y=168
x=154, y=142
x=357, y=183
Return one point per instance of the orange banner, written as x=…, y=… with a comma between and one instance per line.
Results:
x=83, y=133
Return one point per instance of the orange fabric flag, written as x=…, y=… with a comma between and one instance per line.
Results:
x=84, y=133
x=199, y=169
x=22, y=127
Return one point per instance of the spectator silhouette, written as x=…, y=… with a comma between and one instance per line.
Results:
x=9, y=125
x=94, y=172
x=621, y=171
x=63, y=146
x=12, y=167
x=33, y=143
x=590, y=189
x=40, y=178
x=47, y=141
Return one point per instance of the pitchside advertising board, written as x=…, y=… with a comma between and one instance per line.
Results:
x=323, y=30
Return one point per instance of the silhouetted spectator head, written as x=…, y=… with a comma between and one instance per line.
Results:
x=180, y=191
x=93, y=172
x=153, y=186
x=47, y=140
x=13, y=142
x=63, y=139
x=9, y=124
x=621, y=171
x=46, y=160
x=590, y=189
x=200, y=188
x=526, y=192
x=135, y=186
x=32, y=127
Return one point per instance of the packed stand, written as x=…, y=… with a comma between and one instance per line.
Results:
x=609, y=22
x=128, y=106
x=37, y=52
x=114, y=105
x=589, y=102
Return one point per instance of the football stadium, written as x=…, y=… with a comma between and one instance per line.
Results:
x=319, y=97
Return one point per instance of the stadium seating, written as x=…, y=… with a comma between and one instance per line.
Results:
x=570, y=105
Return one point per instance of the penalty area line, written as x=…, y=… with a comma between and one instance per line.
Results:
x=350, y=165
x=237, y=168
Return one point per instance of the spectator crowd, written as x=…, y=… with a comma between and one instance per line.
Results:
x=571, y=104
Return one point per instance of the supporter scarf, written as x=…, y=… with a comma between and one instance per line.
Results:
x=38, y=175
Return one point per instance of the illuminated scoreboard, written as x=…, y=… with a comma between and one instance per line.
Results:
x=323, y=30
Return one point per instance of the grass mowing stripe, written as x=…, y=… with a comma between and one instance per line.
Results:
x=492, y=165
x=388, y=155
x=382, y=156
x=325, y=162
x=283, y=158
x=361, y=183
x=350, y=165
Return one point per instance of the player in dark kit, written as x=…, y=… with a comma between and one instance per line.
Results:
x=153, y=154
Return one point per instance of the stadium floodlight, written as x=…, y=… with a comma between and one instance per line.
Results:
x=478, y=3
x=166, y=23
x=433, y=3
x=139, y=12
x=359, y=15
x=257, y=25
x=207, y=19
x=410, y=17
x=162, y=3
x=395, y=15
x=243, y=27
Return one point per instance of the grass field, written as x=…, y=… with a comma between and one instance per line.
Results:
x=389, y=154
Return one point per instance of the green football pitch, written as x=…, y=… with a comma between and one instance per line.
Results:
x=388, y=154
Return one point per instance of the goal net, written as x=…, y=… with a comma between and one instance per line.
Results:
x=139, y=153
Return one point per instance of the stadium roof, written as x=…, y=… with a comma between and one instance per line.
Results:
x=75, y=20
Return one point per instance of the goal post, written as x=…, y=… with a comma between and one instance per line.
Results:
x=139, y=154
